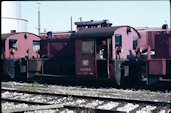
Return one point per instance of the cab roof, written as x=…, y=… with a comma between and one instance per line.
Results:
x=98, y=32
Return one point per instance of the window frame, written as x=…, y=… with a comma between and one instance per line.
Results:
x=36, y=44
x=84, y=45
x=120, y=40
x=12, y=42
x=134, y=47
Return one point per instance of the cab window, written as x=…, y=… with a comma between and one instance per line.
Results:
x=118, y=40
x=13, y=44
x=88, y=47
x=134, y=42
x=36, y=45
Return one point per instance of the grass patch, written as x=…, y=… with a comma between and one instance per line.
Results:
x=67, y=93
x=70, y=97
x=31, y=89
x=35, y=84
x=166, y=91
x=148, y=91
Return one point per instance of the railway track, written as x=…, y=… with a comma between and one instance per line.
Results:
x=134, y=94
x=83, y=102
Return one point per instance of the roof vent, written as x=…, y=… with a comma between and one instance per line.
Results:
x=49, y=34
x=13, y=31
x=164, y=26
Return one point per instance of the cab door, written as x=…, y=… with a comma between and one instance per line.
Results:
x=85, y=58
x=102, y=58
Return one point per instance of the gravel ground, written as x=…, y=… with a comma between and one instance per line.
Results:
x=10, y=105
x=70, y=90
x=100, y=92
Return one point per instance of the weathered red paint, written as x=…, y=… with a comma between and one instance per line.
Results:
x=81, y=69
x=148, y=51
x=163, y=46
x=91, y=69
x=24, y=44
x=157, y=67
x=57, y=47
x=148, y=36
x=59, y=35
x=127, y=43
x=160, y=65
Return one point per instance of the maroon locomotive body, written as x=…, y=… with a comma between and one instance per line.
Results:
x=159, y=67
x=94, y=53
x=59, y=35
x=148, y=36
x=156, y=43
x=105, y=52
x=60, y=54
x=96, y=50
x=15, y=49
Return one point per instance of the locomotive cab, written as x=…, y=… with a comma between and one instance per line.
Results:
x=15, y=49
x=104, y=53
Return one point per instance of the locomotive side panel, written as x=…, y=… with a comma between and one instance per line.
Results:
x=151, y=38
x=128, y=44
x=143, y=41
x=57, y=48
x=162, y=46
x=148, y=37
x=60, y=54
x=157, y=67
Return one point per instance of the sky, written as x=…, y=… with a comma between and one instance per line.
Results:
x=55, y=15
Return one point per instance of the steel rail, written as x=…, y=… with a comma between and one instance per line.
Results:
x=45, y=106
x=50, y=106
x=23, y=101
x=93, y=97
